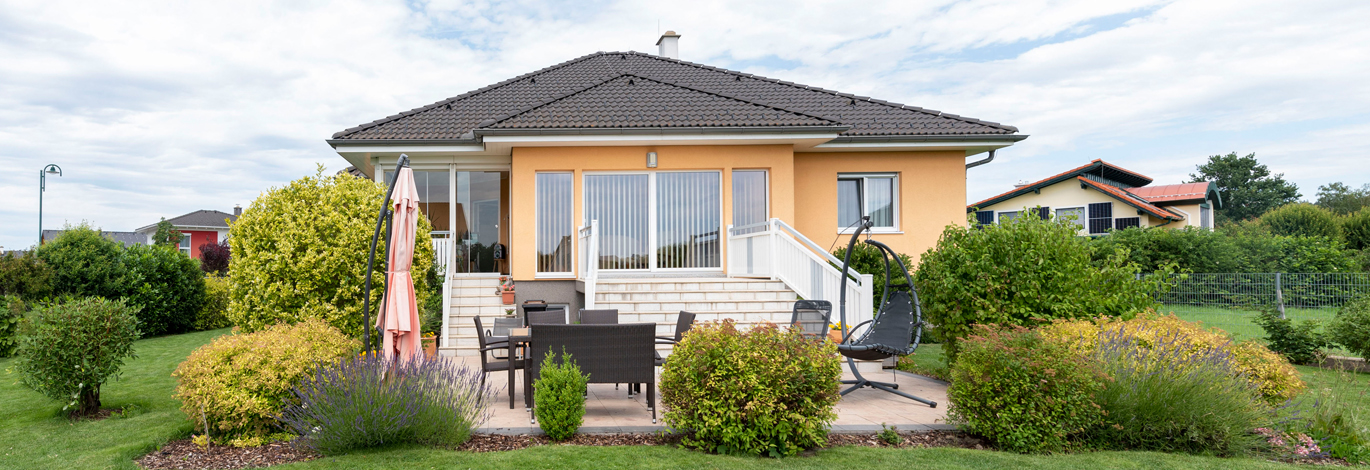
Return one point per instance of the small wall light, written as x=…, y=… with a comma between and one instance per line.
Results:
x=651, y=159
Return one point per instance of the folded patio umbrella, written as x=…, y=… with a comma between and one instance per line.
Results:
x=399, y=317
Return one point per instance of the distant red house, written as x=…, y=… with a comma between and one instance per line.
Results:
x=200, y=227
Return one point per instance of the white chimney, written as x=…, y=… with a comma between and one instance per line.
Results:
x=669, y=45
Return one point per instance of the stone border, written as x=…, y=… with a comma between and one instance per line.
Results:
x=1353, y=364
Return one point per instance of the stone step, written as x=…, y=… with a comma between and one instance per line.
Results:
x=750, y=294
x=688, y=285
x=705, y=306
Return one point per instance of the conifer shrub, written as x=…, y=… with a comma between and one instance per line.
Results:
x=1023, y=392
x=68, y=350
x=559, y=395
x=766, y=391
x=300, y=251
x=238, y=384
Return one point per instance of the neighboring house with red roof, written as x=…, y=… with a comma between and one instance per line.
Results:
x=1101, y=196
x=200, y=227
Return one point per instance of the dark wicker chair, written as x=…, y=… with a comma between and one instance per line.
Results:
x=487, y=366
x=812, y=316
x=607, y=353
x=549, y=317
x=599, y=317
x=683, y=322
x=499, y=330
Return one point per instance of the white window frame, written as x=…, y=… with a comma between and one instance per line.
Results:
x=185, y=239
x=537, y=233
x=998, y=214
x=765, y=176
x=865, y=197
x=1084, y=216
x=652, y=218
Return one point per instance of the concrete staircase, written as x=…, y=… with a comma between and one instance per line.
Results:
x=471, y=296
x=660, y=300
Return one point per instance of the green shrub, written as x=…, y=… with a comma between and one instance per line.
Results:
x=12, y=310
x=1301, y=220
x=239, y=383
x=1300, y=343
x=1022, y=392
x=1174, y=394
x=213, y=313
x=766, y=391
x=167, y=284
x=300, y=252
x=68, y=350
x=1277, y=380
x=559, y=394
x=1351, y=327
x=25, y=276
x=867, y=259
x=1355, y=229
x=85, y=263
x=431, y=311
x=1190, y=249
x=1022, y=273
x=369, y=401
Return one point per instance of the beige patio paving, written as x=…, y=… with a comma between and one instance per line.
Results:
x=610, y=410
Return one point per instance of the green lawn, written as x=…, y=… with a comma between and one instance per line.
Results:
x=1239, y=323
x=33, y=434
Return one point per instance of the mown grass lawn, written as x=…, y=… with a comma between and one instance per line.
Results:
x=34, y=434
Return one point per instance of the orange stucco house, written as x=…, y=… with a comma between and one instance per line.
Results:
x=654, y=185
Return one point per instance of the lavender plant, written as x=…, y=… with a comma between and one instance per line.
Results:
x=369, y=401
x=1170, y=395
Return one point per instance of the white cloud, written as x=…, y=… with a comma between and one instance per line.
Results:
x=157, y=109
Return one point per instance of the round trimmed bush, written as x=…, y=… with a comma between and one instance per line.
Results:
x=1024, y=393
x=767, y=391
x=300, y=252
x=1275, y=379
x=1351, y=327
x=85, y=263
x=1301, y=220
x=69, y=350
x=168, y=286
x=239, y=383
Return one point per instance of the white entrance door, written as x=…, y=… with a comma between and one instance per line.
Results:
x=657, y=221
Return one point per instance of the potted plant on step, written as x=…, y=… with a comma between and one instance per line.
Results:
x=506, y=289
x=430, y=345
x=835, y=332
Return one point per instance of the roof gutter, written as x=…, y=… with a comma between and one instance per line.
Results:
x=988, y=159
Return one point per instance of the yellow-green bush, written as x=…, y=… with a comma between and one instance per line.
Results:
x=241, y=382
x=300, y=251
x=1276, y=378
x=214, y=313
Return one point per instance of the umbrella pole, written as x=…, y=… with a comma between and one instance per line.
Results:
x=381, y=220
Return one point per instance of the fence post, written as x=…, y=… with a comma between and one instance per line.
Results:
x=1279, y=295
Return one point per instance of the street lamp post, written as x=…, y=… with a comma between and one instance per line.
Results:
x=43, y=186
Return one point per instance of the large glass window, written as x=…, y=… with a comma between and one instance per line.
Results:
x=875, y=195
x=749, y=200
x=687, y=218
x=619, y=204
x=555, y=236
x=1072, y=215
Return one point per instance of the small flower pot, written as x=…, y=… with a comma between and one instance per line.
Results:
x=508, y=297
x=835, y=336
x=430, y=346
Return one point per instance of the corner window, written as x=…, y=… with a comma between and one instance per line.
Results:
x=868, y=194
x=1100, y=218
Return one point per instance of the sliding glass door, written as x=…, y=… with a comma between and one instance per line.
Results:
x=657, y=220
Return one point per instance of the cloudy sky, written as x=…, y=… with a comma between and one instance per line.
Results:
x=157, y=109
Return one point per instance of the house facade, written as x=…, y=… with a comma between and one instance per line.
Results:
x=199, y=227
x=653, y=185
x=1100, y=197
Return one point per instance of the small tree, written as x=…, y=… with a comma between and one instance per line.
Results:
x=300, y=252
x=69, y=350
x=1248, y=188
x=167, y=235
x=1023, y=273
x=85, y=263
x=1301, y=220
x=214, y=257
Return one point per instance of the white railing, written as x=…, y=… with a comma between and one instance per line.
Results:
x=781, y=252
x=588, y=244
x=442, y=249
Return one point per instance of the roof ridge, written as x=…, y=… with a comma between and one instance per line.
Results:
x=824, y=90
x=500, y=84
x=562, y=96
x=1064, y=175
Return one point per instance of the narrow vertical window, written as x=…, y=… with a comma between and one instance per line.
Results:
x=1100, y=218
x=555, y=237
x=749, y=201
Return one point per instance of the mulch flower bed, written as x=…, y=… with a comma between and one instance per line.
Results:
x=911, y=439
x=184, y=454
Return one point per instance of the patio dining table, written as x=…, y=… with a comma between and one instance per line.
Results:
x=623, y=353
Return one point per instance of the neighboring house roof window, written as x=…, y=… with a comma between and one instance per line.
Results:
x=1073, y=215
x=1100, y=218
x=984, y=217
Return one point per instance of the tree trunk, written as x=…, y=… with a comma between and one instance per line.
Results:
x=90, y=402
